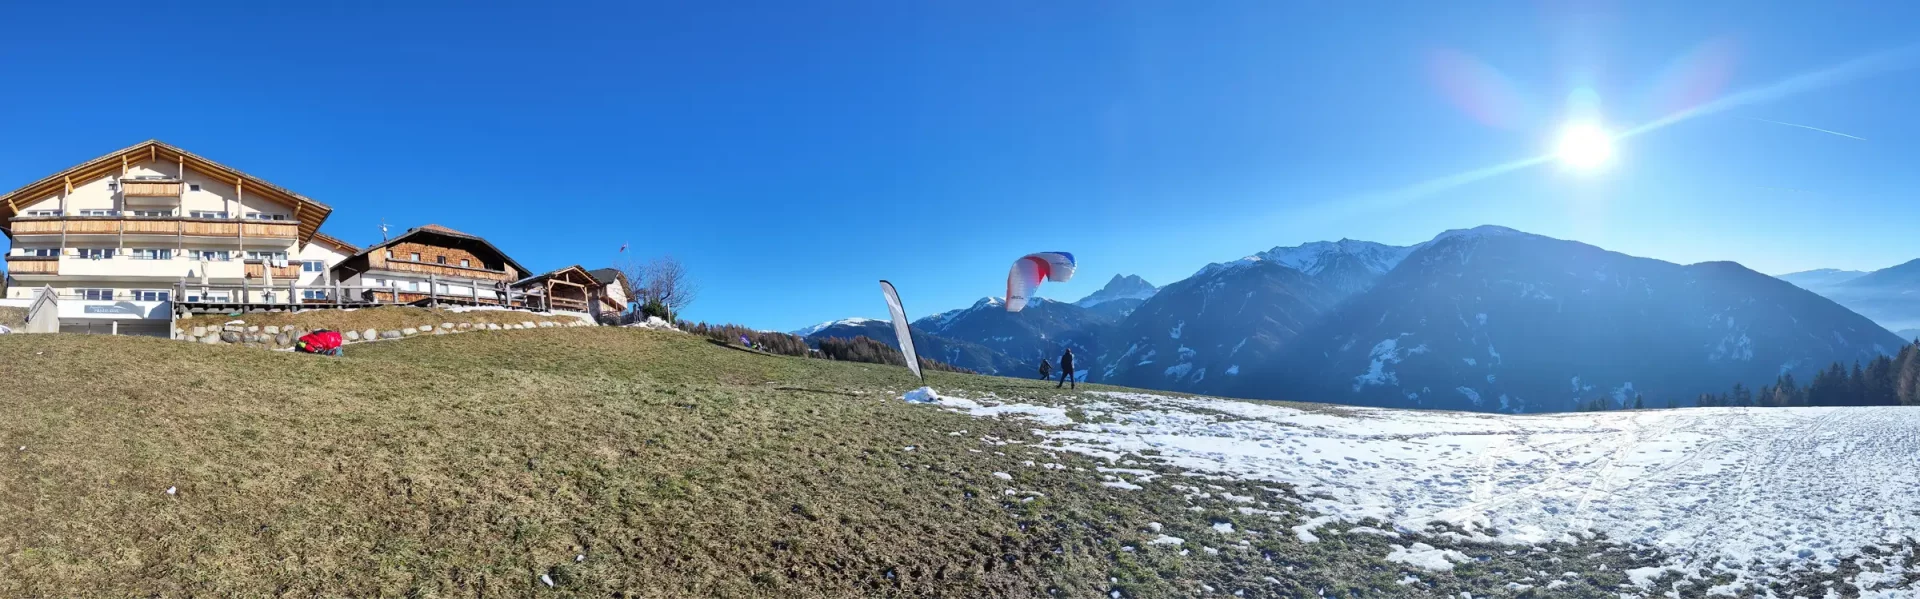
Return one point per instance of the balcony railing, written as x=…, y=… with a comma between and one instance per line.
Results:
x=33, y=265
x=446, y=270
x=258, y=269
x=150, y=188
x=153, y=225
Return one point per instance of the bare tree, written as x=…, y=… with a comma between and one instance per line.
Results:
x=665, y=280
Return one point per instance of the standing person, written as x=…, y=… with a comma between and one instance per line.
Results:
x=1046, y=369
x=1066, y=371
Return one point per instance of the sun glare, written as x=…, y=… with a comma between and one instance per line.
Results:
x=1584, y=147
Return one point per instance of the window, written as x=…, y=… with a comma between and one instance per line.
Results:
x=195, y=187
x=207, y=214
x=150, y=254
x=465, y=264
x=152, y=213
x=96, y=253
x=43, y=213
x=41, y=252
x=313, y=294
x=219, y=296
x=150, y=295
x=313, y=266
x=413, y=285
x=416, y=256
x=99, y=295
x=269, y=256
x=440, y=259
x=389, y=254
x=91, y=212
x=262, y=216
x=210, y=255
x=444, y=289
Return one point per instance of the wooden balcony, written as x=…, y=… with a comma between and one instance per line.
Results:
x=150, y=188
x=257, y=269
x=138, y=225
x=33, y=265
x=446, y=270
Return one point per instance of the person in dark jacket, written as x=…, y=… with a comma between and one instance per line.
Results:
x=1066, y=371
x=1046, y=369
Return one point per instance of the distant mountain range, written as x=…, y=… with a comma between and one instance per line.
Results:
x=1486, y=319
x=1890, y=296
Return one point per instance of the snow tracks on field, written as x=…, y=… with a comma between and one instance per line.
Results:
x=1757, y=492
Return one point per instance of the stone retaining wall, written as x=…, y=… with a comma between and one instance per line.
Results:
x=278, y=337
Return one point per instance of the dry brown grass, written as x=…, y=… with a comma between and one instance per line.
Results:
x=382, y=318
x=470, y=465
x=13, y=318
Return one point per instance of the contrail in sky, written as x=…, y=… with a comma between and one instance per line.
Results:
x=1866, y=66
x=1809, y=127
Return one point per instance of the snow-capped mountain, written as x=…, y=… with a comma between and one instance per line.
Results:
x=1890, y=296
x=845, y=322
x=952, y=351
x=1345, y=266
x=1493, y=319
x=1118, y=299
x=1205, y=329
x=1120, y=287
x=1042, y=330
x=1487, y=319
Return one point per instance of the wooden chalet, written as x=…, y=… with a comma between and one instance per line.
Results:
x=431, y=265
x=614, y=288
x=571, y=288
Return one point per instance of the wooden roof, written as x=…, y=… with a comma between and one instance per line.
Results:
x=310, y=213
x=443, y=232
x=585, y=277
x=609, y=276
x=349, y=248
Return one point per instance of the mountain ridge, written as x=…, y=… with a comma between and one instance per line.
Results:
x=1487, y=318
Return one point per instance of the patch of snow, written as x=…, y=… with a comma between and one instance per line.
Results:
x=1166, y=540
x=922, y=395
x=1426, y=557
x=1175, y=333
x=1755, y=493
x=1644, y=577
x=1385, y=353
x=1233, y=370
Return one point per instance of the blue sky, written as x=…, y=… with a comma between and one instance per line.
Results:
x=793, y=153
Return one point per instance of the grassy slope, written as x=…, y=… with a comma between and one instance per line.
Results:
x=469, y=465
x=13, y=317
x=382, y=318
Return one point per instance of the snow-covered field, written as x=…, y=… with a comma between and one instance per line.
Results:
x=1757, y=493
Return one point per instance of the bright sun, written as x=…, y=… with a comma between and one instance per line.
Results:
x=1584, y=147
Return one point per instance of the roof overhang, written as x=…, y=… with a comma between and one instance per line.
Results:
x=309, y=212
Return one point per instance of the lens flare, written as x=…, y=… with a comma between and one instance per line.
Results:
x=1584, y=147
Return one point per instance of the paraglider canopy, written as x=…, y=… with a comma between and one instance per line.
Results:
x=1027, y=272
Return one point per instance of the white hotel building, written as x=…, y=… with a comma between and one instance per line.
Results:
x=117, y=237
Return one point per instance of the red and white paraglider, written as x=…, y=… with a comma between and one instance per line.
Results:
x=1027, y=273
